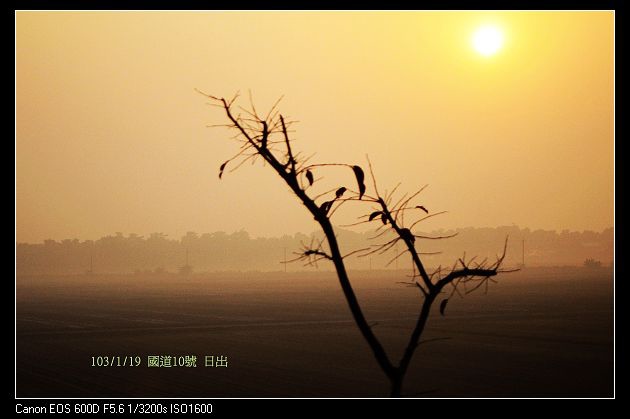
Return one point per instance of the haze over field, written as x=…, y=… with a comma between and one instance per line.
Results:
x=111, y=136
x=537, y=333
x=220, y=251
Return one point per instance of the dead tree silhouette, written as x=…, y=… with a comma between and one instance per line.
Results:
x=268, y=138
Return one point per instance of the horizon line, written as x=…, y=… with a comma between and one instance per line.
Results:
x=339, y=228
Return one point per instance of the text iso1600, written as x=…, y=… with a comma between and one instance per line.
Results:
x=191, y=408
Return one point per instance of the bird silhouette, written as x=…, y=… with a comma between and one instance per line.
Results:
x=221, y=169
x=358, y=173
x=443, y=306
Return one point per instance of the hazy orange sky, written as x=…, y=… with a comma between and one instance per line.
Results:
x=111, y=136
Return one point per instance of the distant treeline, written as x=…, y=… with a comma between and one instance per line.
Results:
x=239, y=252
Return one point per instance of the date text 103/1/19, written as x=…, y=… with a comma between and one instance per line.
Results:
x=159, y=361
x=116, y=361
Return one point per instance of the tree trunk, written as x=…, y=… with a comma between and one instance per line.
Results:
x=396, y=386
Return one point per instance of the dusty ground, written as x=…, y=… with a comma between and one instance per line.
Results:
x=539, y=332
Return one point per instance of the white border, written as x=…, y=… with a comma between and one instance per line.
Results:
x=309, y=398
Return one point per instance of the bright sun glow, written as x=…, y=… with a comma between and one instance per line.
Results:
x=487, y=40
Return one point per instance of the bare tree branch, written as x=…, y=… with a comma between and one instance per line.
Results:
x=264, y=137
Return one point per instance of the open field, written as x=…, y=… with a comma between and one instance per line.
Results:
x=541, y=332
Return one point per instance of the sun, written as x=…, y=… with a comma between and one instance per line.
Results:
x=487, y=40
